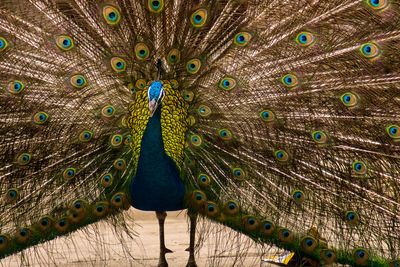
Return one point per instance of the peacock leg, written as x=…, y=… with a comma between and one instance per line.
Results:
x=162, y=262
x=193, y=219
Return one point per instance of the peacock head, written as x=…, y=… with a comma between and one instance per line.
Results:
x=155, y=94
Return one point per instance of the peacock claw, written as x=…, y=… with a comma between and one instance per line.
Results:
x=188, y=249
x=167, y=250
x=191, y=264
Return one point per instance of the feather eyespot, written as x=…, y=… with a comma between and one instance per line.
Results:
x=119, y=200
x=349, y=99
x=106, y=180
x=231, y=208
x=40, y=117
x=24, y=235
x=309, y=244
x=62, y=225
x=285, y=236
x=242, y=38
x=111, y=15
x=268, y=227
x=298, y=196
x=69, y=173
x=3, y=242
x=250, y=223
x=3, y=43
x=15, y=87
x=351, y=217
x=281, y=155
x=45, y=223
x=156, y=6
x=199, y=17
x=173, y=56
x=85, y=136
x=267, y=115
x=116, y=140
x=24, y=159
x=211, y=209
x=227, y=83
x=78, y=81
x=140, y=84
x=12, y=194
x=193, y=66
x=198, y=198
x=225, y=134
x=108, y=111
x=319, y=137
x=369, y=50
x=118, y=64
x=100, y=209
x=196, y=140
x=329, y=256
x=188, y=96
x=119, y=164
x=142, y=51
x=359, y=167
x=378, y=4
x=64, y=42
x=239, y=174
x=394, y=263
x=204, y=111
x=305, y=38
x=393, y=131
x=290, y=80
x=203, y=180
x=128, y=140
x=361, y=256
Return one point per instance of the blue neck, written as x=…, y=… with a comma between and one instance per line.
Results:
x=156, y=185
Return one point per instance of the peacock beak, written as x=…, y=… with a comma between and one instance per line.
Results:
x=155, y=94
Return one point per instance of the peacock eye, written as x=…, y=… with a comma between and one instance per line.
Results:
x=285, y=235
x=12, y=194
x=360, y=256
x=119, y=164
x=173, y=56
x=111, y=15
x=24, y=159
x=196, y=140
x=204, y=111
x=188, y=96
x=239, y=174
x=140, y=84
x=349, y=99
x=142, y=51
x=359, y=167
x=40, y=117
x=281, y=156
x=369, y=50
x=290, y=80
x=85, y=136
x=242, y=38
x=298, y=196
x=78, y=81
x=378, y=4
x=15, y=87
x=227, y=83
x=106, y=179
x=267, y=115
x=108, y=111
x=393, y=131
x=3, y=43
x=155, y=6
x=351, y=217
x=225, y=134
x=203, y=180
x=118, y=64
x=193, y=66
x=116, y=140
x=319, y=137
x=199, y=17
x=64, y=42
x=305, y=38
x=69, y=173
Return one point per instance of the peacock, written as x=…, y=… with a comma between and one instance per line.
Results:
x=278, y=119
